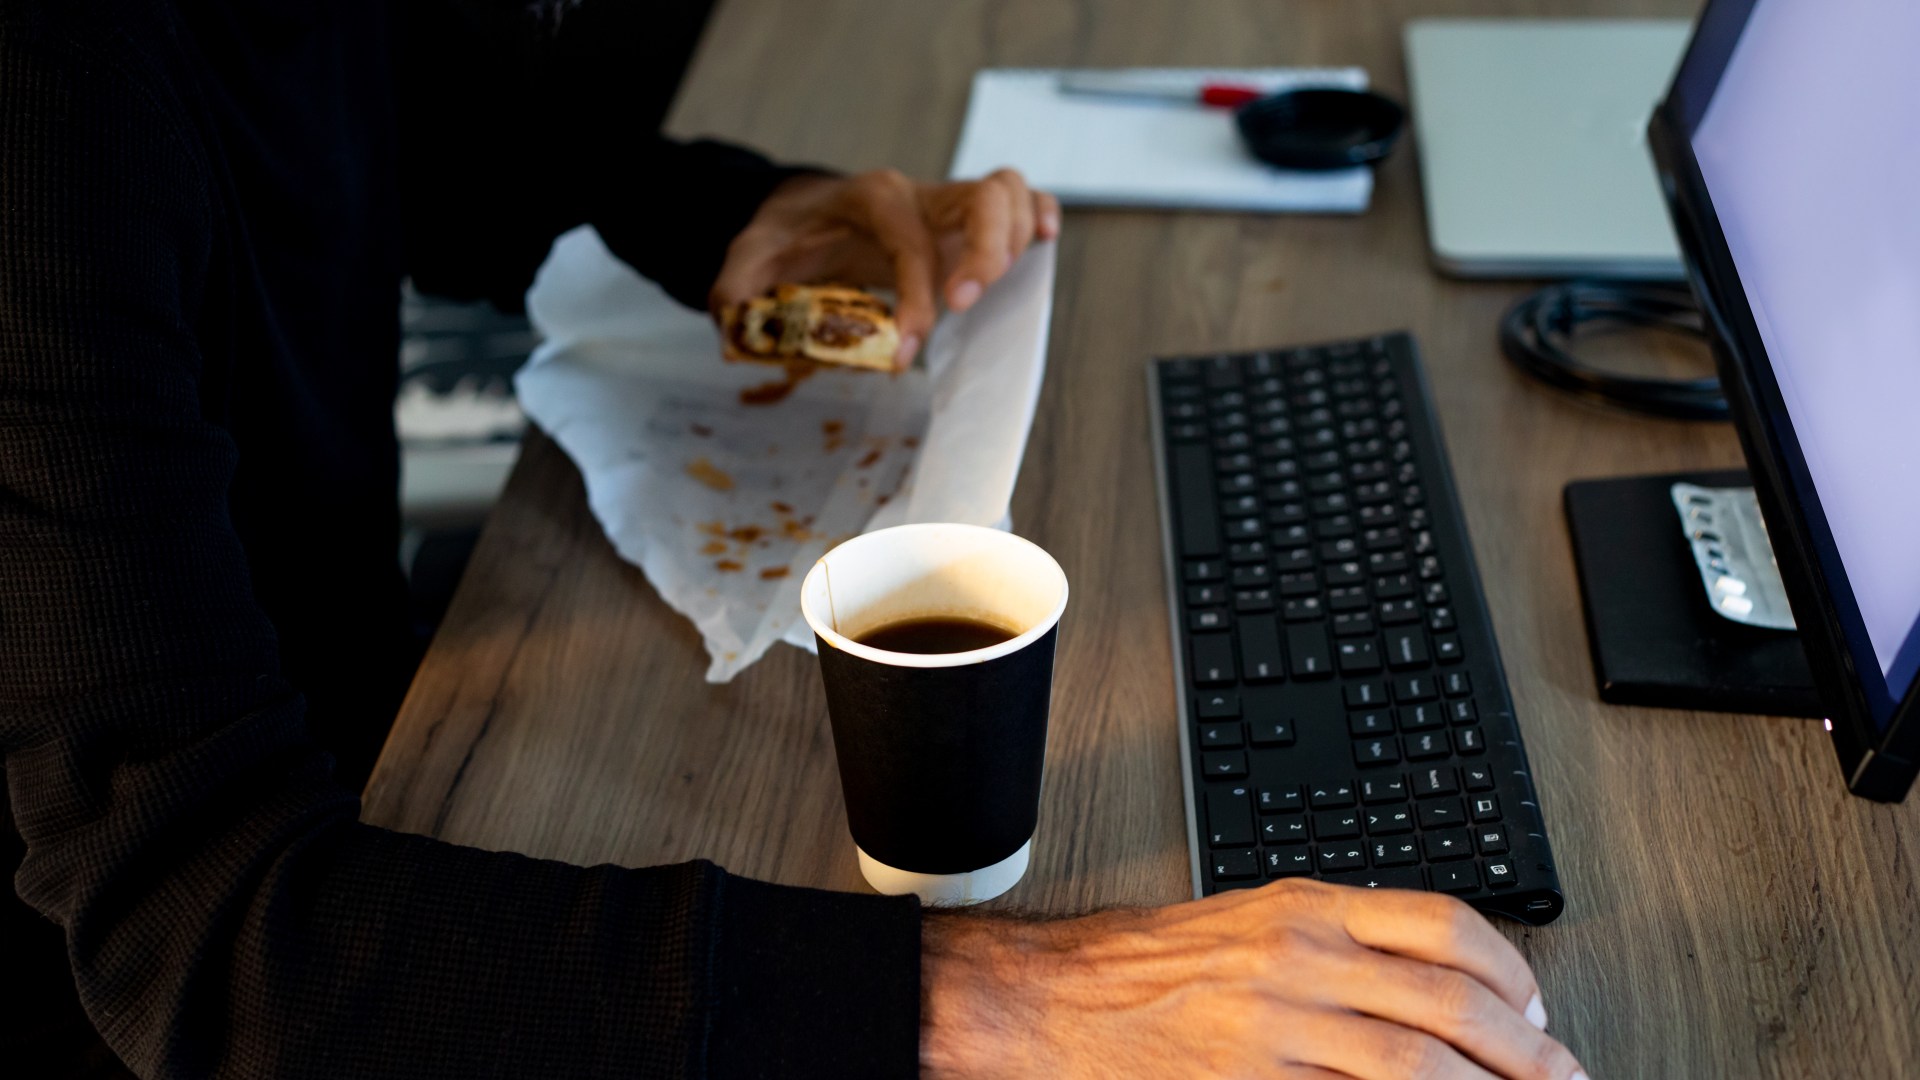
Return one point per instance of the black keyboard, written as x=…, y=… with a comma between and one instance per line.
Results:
x=1344, y=715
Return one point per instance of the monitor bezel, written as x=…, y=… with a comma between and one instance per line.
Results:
x=1879, y=763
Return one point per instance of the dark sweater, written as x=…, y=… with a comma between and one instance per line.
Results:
x=205, y=211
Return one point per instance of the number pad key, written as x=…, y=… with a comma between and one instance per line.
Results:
x=1348, y=856
x=1395, y=853
x=1289, y=862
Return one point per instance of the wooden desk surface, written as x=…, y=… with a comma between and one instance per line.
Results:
x=1731, y=911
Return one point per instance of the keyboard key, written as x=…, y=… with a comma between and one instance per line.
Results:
x=1235, y=865
x=1218, y=705
x=1221, y=373
x=1301, y=608
x=1296, y=862
x=1393, y=586
x=1441, y=814
x=1335, y=825
x=1407, y=648
x=1268, y=733
x=1199, y=570
x=1194, y=501
x=1286, y=829
x=1396, y=853
x=1447, y=844
x=1446, y=648
x=1462, y=712
x=1224, y=765
x=1389, y=821
x=1353, y=624
x=1244, y=528
x=1240, y=505
x=1458, y=878
x=1248, y=551
x=1348, y=598
x=1330, y=796
x=1485, y=808
x=1439, y=619
x=1229, y=817
x=1252, y=576
x=1427, y=745
x=1347, y=856
x=1478, y=777
x=1434, y=780
x=1387, y=562
x=1365, y=692
x=1307, y=651
x=1370, y=722
x=1206, y=595
x=1492, y=838
x=1282, y=800
x=1334, y=527
x=1378, y=790
x=1423, y=717
x=1339, y=550
x=1238, y=483
x=1246, y=601
x=1433, y=592
x=1299, y=585
x=1345, y=573
x=1395, y=612
x=1207, y=619
x=1411, y=688
x=1224, y=735
x=1358, y=656
x=1458, y=683
x=1379, y=513
x=1370, y=752
x=1385, y=538
x=1500, y=873
x=1469, y=740
x=1213, y=660
x=1404, y=877
x=1292, y=559
x=1260, y=649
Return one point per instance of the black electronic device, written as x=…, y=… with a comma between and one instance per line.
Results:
x=1343, y=711
x=1783, y=149
x=1655, y=637
x=1320, y=127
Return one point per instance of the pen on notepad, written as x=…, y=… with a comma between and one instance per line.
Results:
x=1118, y=84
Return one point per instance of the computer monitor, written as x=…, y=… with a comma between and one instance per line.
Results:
x=1788, y=153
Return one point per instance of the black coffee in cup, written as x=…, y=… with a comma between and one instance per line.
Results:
x=936, y=634
x=936, y=648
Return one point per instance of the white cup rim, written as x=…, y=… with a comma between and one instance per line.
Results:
x=933, y=660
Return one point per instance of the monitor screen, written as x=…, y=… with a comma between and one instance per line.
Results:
x=1809, y=147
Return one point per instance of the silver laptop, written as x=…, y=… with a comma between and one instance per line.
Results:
x=1532, y=136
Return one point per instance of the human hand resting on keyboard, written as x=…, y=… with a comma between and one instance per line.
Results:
x=882, y=228
x=1295, y=979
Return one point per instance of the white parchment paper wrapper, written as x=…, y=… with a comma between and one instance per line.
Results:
x=725, y=506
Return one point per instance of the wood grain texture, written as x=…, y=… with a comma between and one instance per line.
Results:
x=1731, y=911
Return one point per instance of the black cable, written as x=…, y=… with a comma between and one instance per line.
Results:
x=1532, y=332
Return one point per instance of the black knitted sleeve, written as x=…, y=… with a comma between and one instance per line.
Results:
x=225, y=913
x=519, y=120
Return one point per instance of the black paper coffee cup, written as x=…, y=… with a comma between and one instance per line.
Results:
x=941, y=754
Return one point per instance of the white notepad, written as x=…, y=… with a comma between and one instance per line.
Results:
x=1093, y=151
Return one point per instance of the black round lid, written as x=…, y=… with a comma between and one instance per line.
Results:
x=1320, y=129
